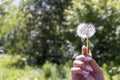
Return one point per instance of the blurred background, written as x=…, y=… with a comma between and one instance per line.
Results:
x=38, y=38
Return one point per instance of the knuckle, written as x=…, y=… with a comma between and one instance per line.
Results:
x=79, y=57
x=74, y=62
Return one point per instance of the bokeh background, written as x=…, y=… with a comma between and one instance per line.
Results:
x=38, y=38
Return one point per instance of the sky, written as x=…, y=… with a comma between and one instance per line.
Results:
x=16, y=2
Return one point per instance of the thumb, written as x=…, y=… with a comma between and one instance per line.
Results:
x=84, y=50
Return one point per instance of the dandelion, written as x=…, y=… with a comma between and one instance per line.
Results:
x=85, y=31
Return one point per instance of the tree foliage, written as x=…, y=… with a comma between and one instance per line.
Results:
x=46, y=29
x=105, y=16
x=39, y=31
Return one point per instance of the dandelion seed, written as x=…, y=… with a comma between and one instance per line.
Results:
x=85, y=30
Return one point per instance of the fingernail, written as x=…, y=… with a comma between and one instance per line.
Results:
x=83, y=46
x=87, y=58
x=89, y=51
x=85, y=73
x=89, y=68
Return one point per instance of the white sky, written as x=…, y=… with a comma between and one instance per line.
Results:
x=16, y=2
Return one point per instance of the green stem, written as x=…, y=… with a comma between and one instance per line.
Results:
x=87, y=43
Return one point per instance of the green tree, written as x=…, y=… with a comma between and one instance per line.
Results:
x=39, y=31
x=11, y=22
x=105, y=16
x=47, y=31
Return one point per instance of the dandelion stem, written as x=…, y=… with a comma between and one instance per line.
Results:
x=87, y=43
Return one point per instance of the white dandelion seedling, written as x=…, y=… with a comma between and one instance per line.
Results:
x=85, y=31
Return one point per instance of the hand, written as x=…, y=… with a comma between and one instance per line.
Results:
x=86, y=68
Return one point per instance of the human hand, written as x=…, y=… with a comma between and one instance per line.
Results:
x=86, y=68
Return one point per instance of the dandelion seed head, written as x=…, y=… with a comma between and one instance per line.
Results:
x=85, y=30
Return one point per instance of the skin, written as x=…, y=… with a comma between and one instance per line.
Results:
x=79, y=71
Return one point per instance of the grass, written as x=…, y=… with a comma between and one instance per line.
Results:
x=16, y=68
x=13, y=68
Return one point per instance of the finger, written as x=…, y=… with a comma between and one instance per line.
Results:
x=80, y=57
x=84, y=58
x=76, y=70
x=78, y=63
x=84, y=50
x=82, y=65
x=94, y=65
